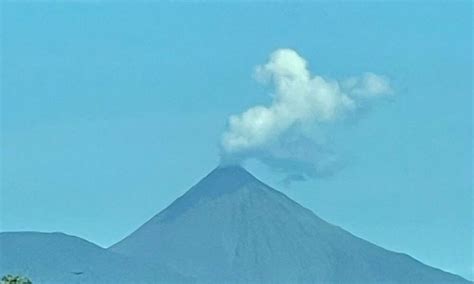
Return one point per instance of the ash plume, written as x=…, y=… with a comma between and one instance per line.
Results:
x=279, y=134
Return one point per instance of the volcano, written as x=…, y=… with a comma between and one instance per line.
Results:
x=232, y=228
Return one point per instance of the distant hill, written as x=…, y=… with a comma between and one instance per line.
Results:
x=60, y=258
x=232, y=228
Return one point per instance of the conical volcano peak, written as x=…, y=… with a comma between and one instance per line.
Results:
x=232, y=172
x=225, y=179
x=232, y=228
x=230, y=168
x=219, y=182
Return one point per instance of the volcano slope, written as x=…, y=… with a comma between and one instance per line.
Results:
x=232, y=228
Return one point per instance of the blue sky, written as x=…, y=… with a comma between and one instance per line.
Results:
x=110, y=111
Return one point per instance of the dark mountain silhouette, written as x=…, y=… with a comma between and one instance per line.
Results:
x=228, y=228
x=232, y=228
x=60, y=258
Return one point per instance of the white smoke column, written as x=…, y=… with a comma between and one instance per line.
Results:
x=299, y=99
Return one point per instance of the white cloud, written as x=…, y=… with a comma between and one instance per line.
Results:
x=299, y=99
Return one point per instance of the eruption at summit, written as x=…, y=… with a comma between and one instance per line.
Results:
x=279, y=134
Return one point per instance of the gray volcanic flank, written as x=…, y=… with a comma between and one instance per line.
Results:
x=232, y=228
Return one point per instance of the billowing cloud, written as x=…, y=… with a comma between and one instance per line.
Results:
x=300, y=101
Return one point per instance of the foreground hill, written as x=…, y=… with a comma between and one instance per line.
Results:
x=232, y=228
x=60, y=258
